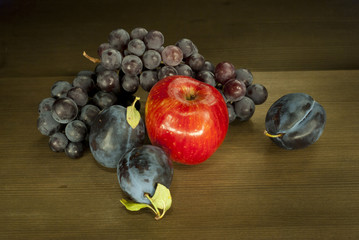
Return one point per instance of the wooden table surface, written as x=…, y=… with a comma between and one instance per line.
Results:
x=249, y=188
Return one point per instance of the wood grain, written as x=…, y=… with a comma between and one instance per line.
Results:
x=249, y=189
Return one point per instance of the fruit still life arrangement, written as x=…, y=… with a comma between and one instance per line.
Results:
x=187, y=113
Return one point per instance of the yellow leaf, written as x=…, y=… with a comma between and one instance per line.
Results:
x=162, y=198
x=133, y=116
x=133, y=206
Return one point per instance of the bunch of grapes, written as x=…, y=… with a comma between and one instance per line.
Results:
x=146, y=60
x=140, y=59
x=239, y=91
x=127, y=61
x=67, y=114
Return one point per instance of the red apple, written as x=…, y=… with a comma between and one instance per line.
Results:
x=187, y=118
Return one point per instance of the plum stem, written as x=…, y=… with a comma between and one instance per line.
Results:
x=92, y=59
x=163, y=213
x=157, y=212
x=272, y=135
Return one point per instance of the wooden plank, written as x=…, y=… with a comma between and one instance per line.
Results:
x=249, y=189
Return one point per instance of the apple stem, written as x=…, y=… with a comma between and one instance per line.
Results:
x=272, y=135
x=92, y=59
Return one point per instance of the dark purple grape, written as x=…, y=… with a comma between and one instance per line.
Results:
x=64, y=110
x=46, y=104
x=119, y=39
x=111, y=136
x=258, y=93
x=208, y=66
x=138, y=33
x=136, y=47
x=46, y=124
x=104, y=99
x=59, y=89
x=186, y=46
x=151, y=59
x=103, y=47
x=206, y=77
x=126, y=52
x=244, y=108
x=160, y=49
x=86, y=73
x=154, y=39
x=58, y=142
x=295, y=121
x=224, y=71
x=99, y=68
x=130, y=83
x=231, y=114
x=234, y=90
x=74, y=150
x=141, y=169
x=166, y=71
x=148, y=79
x=76, y=131
x=195, y=61
x=172, y=55
x=184, y=70
x=132, y=65
x=195, y=50
x=224, y=97
x=79, y=96
x=86, y=83
x=244, y=75
x=108, y=81
x=111, y=59
x=88, y=114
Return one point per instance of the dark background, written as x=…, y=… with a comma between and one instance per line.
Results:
x=48, y=37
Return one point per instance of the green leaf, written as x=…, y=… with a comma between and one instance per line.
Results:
x=133, y=116
x=133, y=206
x=162, y=198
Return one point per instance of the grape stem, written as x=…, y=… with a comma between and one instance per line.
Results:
x=92, y=59
x=134, y=102
x=272, y=135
